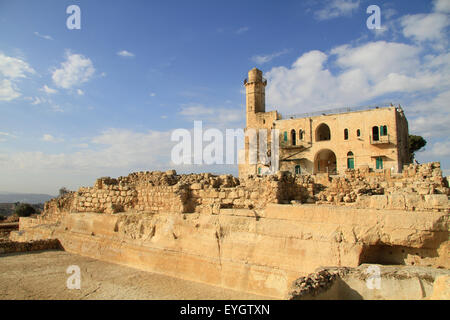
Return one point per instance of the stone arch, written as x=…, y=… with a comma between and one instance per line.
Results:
x=325, y=162
x=323, y=132
x=375, y=133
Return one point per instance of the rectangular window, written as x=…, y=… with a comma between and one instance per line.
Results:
x=285, y=136
x=351, y=163
x=379, y=163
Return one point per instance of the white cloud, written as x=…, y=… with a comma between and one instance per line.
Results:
x=364, y=72
x=389, y=13
x=337, y=8
x=49, y=138
x=431, y=117
x=113, y=148
x=242, y=30
x=125, y=53
x=80, y=92
x=152, y=94
x=264, y=58
x=37, y=100
x=196, y=110
x=43, y=36
x=14, y=68
x=56, y=108
x=8, y=91
x=48, y=90
x=218, y=117
x=76, y=70
x=438, y=149
x=5, y=135
x=442, y=6
x=426, y=27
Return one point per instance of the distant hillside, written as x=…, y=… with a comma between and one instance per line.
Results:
x=31, y=198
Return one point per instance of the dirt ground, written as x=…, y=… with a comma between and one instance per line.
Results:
x=42, y=275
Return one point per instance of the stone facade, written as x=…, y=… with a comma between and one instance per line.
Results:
x=331, y=142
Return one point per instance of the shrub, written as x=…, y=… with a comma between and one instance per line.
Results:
x=24, y=210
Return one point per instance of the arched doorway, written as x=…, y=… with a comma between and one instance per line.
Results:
x=323, y=132
x=325, y=162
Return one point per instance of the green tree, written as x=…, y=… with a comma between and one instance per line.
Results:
x=24, y=210
x=415, y=144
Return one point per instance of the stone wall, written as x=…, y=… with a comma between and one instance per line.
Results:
x=168, y=192
x=257, y=251
x=418, y=188
x=391, y=283
x=38, y=245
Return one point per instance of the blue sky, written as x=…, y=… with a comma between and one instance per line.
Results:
x=103, y=100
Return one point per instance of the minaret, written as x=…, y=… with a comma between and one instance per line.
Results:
x=255, y=88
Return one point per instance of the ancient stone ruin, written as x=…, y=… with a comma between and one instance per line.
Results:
x=259, y=234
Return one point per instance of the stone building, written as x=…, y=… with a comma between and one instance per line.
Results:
x=327, y=141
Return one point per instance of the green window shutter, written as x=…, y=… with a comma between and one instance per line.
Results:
x=285, y=136
x=379, y=163
x=351, y=163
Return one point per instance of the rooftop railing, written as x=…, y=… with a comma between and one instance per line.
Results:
x=335, y=111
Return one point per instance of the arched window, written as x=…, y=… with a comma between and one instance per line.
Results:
x=383, y=130
x=323, y=133
x=375, y=134
x=300, y=134
x=358, y=133
x=350, y=160
x=345, y=134
x=293, y=137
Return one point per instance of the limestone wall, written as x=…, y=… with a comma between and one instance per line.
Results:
x=258, y=251
x=418, y=188
x=37, y=245
x=168, y=192
x=257, y=234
